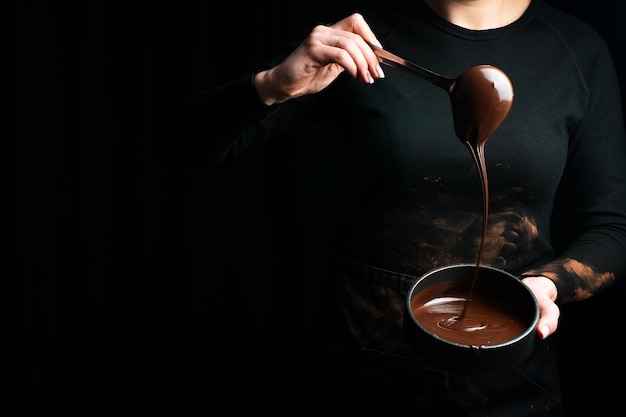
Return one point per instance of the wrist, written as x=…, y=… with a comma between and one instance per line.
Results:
x=261, y=83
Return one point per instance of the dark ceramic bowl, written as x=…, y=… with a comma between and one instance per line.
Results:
x=498, y=329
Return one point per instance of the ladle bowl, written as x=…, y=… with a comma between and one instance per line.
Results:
x=481, y=96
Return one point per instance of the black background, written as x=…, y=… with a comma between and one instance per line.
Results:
x=116, y=303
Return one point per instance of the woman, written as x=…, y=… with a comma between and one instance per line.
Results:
x=410, y=200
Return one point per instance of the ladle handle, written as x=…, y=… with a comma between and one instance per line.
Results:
x=392, y=60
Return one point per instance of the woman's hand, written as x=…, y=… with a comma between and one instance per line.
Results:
x=325, y=53
x=545, y=292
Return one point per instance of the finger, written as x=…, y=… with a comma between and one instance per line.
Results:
x=548, y=319
x=549, y=313
x=350, y=52
x=356, y=23
x=347, y=49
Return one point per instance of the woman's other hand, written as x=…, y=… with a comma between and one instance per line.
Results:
x=545, y=292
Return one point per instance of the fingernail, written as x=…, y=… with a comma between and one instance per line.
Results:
x=370, y=79
x=381, y=74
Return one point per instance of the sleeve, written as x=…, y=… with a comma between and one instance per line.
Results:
x=594, y=191
x=215, y=124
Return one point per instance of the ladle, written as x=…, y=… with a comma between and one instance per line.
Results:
x=481, y=96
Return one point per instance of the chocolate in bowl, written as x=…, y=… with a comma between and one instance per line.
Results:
x=498, y=328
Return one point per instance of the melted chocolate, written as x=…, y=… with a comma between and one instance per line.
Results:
x=486, y=321
x=481, y=99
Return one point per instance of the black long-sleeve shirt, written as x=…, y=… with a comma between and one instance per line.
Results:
x=411, y=196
